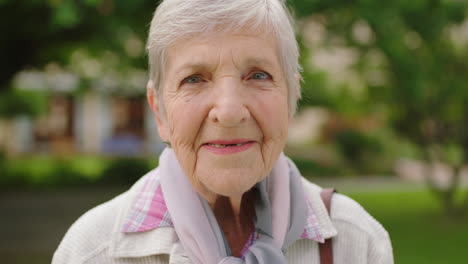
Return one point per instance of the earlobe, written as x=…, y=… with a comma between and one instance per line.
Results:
x=150, y=94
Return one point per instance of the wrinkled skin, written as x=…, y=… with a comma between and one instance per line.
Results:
x=224, y=87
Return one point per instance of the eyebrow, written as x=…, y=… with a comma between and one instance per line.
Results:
x=198, y=65
x=194, y=66
x=259, y=61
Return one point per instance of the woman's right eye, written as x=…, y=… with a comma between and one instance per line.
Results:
x=192, y=79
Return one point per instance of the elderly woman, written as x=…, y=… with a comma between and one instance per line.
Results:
x=223, y=88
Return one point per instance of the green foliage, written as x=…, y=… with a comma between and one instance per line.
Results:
x=66, y=15
x=359, y=149
x=425, y=89
x=312, y=169
x=51, y=171
x=22, y=102
x=40, y=32
x=410, y=59
x=125, y=171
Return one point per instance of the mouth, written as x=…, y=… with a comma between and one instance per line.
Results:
x=228, y=146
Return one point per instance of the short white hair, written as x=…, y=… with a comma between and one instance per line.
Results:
x=177, y=19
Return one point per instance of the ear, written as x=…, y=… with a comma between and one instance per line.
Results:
x=153, y=102
x=297, y=92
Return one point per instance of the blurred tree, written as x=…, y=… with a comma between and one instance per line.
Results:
x=37, y=32
x=21, y=102
x=406, y=60
x=411, y=61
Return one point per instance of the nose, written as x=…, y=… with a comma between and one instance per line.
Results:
x=230, y=104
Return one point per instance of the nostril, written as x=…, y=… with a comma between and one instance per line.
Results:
x=229, y=113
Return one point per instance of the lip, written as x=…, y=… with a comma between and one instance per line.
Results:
x=245, y=144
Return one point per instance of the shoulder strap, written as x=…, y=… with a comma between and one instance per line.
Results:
x=326, y=249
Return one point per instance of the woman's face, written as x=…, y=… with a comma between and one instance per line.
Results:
x=224, y=109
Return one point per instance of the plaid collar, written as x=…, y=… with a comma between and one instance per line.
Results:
x=149, y=211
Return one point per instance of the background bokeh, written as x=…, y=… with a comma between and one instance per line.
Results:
x=383, y=115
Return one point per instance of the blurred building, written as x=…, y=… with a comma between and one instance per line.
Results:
x=94, y=121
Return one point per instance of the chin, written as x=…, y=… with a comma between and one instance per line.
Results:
x=232, y=182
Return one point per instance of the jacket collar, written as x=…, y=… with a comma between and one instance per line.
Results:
x=153, y=242
x=163, y=239
x=326, y=226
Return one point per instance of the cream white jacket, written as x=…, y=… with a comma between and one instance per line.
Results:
x=96, y=237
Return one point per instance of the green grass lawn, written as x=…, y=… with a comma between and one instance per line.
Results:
x=419, y=233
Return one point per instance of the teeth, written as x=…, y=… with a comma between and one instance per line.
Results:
x=217, y=145
x=223, y=146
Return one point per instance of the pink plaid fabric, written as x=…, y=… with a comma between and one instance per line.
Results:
x=149, y=212
x=312, y=228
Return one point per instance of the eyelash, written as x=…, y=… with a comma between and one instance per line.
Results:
x=190, y=77
x=200, y=79
x=268, y=76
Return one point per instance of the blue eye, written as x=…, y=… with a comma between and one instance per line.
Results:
x=260, y=76
x=192, y=79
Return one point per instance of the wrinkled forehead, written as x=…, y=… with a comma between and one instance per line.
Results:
x=257, y=47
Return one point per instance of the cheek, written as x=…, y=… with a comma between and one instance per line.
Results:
x=185, y=118
x=273, y=116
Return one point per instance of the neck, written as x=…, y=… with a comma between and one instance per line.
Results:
x=235, y=218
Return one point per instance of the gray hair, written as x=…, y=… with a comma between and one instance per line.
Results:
x=177, y=19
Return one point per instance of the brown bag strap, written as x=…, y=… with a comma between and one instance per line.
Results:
x=326, y=249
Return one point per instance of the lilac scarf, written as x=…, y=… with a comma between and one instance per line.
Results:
x=280, y=215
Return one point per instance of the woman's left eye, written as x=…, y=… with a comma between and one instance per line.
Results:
x=192, y=79
x=260, y=76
